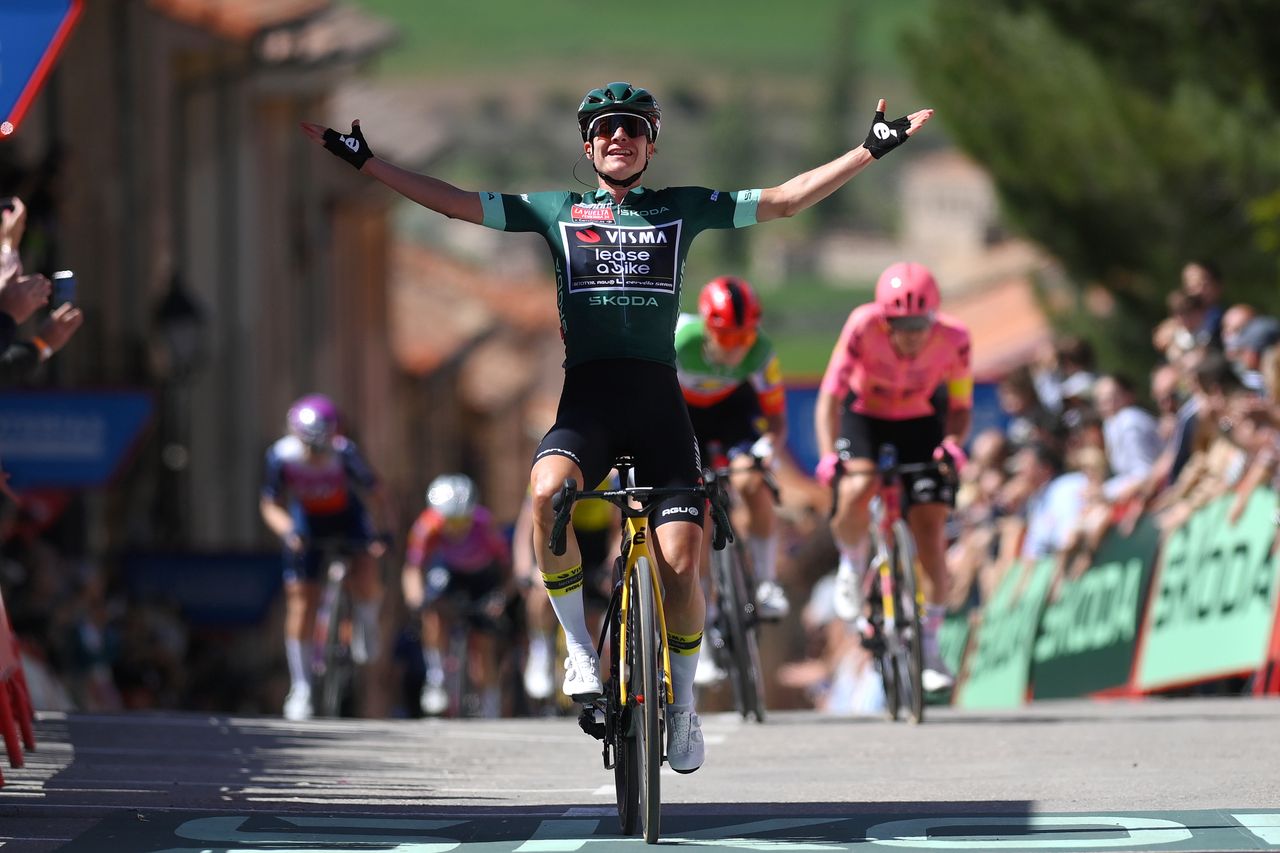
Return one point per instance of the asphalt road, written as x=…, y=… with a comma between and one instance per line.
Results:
x=1181, y=774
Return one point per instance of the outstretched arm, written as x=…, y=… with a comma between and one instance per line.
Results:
x=431, y=193
x=811, y=187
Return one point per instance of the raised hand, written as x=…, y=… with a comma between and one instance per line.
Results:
x=885, y=135
x=350, y=146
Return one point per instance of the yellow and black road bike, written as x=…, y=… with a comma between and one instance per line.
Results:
x=630, y=717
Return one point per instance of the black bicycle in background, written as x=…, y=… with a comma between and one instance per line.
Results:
x=734, y=582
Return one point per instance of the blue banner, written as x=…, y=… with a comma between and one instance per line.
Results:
x=220, y=589
x=69, y=440
x=31, y=35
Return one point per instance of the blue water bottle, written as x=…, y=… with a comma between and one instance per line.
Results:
x=888, y=458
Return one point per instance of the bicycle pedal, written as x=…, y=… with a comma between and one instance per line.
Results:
x=588, y=723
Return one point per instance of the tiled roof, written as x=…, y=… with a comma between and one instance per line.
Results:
x=238, y=19
x=1006, y=324
x=439, y=306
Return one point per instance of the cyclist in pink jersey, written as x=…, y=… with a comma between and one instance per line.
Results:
x=898, y=375
x=456, y=552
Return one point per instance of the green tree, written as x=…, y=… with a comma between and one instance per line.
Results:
x=1126, y=138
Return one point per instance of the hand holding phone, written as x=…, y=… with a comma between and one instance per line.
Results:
x=64, y=288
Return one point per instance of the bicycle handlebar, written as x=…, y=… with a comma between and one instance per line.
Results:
x=562, y=503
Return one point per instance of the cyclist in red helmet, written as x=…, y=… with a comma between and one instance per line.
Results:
x=619, y=254
x=898, y=375
x=732, y=382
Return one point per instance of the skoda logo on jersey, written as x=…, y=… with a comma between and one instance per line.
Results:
x=883, y=131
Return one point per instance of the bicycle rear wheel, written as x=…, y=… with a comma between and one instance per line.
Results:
x=737, y=614
x=626, y=751
x=909, y=647
x=650, y=699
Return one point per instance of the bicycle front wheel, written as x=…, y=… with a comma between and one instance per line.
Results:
x=909, y=647
x=648, y=698
x=627, y=759
x=737, y=614
x=337, y=669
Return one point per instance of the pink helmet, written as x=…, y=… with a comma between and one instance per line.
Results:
x=907, y=289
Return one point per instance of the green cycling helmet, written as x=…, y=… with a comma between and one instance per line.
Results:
x=619, y=98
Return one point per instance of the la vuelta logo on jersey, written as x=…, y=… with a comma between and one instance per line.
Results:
x=621, y=257
x=591, y=213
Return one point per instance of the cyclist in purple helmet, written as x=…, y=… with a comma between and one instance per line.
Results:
x=311, y=492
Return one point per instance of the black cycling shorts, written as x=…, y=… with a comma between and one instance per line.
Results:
x=629, y=407
x=733, y=423
x=915, y=439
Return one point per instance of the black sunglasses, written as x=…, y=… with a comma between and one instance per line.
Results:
x=914, y=323
x=632, y=125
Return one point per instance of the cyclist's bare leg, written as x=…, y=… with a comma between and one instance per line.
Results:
x=366, y=598
x=849, y=525
x=852, y=516
x=300, y=599
x=762, y=522
x=545, y=480
x=434, y=632
x=927, y=527
x=483, y=671
x=927, y=523
x=677, y=549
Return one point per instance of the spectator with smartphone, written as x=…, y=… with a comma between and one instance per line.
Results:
x=21, y=296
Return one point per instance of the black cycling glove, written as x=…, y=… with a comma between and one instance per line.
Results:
x=885, y=136
x=350, y=147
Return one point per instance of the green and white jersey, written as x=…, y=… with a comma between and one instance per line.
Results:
x=619, y=266
x=706, y=383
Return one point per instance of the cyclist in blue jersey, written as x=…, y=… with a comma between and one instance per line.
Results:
x=619, y=253
x=310, y=494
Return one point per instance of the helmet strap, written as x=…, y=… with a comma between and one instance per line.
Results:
x=624, y=182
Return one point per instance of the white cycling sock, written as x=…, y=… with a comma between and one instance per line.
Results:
x=684, y=651
x=297, y=668
x=366, y=613
x=435, y=666
x=934, y=615
x=853, y=558
x=565, y=591
x=764, y=556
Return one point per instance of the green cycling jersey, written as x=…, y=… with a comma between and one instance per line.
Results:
x=619, y=265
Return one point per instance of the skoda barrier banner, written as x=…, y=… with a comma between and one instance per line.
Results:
x=999, y=662
x=1214, y=599
x=1089, y=633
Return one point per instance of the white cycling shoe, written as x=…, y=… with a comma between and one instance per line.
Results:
x=936, y=675
x=771, y=601
x=686, y=749
x=582, y=676
x=433, y=699
x=297, y=705
x=847, y=595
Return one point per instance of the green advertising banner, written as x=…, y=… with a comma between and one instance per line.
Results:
x=1089, y=633
x=1000, y=661
x=1214, y=598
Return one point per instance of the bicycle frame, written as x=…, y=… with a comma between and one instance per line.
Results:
x=635, y=544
